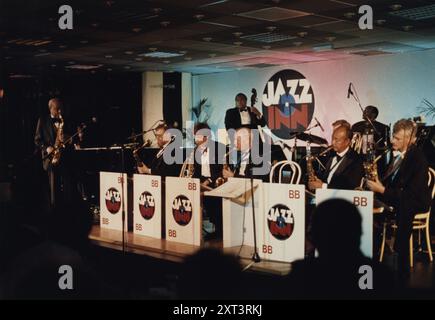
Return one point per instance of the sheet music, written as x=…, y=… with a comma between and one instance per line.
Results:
x=233, y=188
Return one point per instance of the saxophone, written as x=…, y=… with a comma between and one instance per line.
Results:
x=59, y=143
x=188, y=168
x=371, y=168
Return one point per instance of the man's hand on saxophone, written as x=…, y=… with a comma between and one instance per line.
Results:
x=314, y=183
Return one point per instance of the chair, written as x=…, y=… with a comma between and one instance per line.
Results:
x=293, y=167
x=421, y=222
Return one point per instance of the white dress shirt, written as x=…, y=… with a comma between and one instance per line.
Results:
x=205, y=164
x=245, y=118
x=334, y=166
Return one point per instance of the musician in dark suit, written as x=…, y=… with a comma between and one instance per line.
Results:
x=158, y=165
x=344, y=170
x=209, y=156
x=404, y=186
x=380, y=135
x=250, y=156
x=242, y=116
x=59, y=177
x=208, y=163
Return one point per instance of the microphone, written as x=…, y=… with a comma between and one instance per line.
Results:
x=349, y=90
x=319, y=124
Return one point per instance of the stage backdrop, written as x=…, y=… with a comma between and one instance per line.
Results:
x=396, y=84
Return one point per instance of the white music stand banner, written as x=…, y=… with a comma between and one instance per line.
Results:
x=183, y=210
x=113, y=195
x=363, y=200
x=283, y=234
x=237, y=214
x=147, y=205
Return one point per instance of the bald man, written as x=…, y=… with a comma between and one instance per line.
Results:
x=344, y=170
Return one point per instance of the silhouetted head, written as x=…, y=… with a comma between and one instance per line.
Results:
x=209, y=274
x=336, y=228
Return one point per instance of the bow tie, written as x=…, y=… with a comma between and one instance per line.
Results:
x=55, y=120
x=335, y=155
x=244, y=110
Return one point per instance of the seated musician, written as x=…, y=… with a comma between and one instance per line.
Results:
x=209, y=156
x=249, y=158
x=404, y=186
x=208, y=164
x=158, y=165
x=344, y=169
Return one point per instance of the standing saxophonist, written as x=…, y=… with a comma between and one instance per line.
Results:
x=49, y=138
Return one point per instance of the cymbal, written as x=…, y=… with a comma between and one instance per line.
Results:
x=310, y=138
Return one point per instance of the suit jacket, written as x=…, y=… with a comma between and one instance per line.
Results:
x=348, y=174
x=235, y=167
x=216, y=159
x=408, y=192
x=233, y=120
x=160, y=168
x=45, y=136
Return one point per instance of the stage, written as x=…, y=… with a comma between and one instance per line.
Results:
x=176, y=252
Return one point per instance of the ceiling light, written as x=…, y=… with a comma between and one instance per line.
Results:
x=157, y=10
x=407, y=28
x=271, y=28
x=380, y=21
x=152, y=49
x=165, y=23
x=199, y=16
x=166, y=61
x=396, y=6
x=160, y=54
x=136, y=29
x=237, y=34
x=238, y=43
x=207, y=39
x=349, y=15
x=330, y=39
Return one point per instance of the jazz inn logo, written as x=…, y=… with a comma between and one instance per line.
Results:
x=146, y=205
x=288, y=103
x=281, y=222
x=182, y=210
x=113, y=200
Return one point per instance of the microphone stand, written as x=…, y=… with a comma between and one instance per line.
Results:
x=255, y=257
x=355, y=96
x=123, y=196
